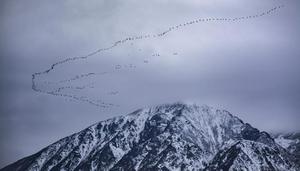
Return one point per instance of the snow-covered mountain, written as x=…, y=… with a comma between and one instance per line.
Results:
x=167, y=137
x=289, y=141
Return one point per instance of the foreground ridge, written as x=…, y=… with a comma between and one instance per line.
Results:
x=175, y=136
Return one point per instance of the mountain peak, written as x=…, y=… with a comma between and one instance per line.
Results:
x=164, y=137
x=181, y=105
x=183, y=108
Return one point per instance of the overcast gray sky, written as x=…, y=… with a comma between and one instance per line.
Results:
x=248, y=67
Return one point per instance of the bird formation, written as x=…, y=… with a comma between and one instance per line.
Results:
x=59, y=91
x=156, y=54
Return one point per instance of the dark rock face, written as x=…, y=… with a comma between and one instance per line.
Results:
x=250, y=133
x=167, y=137
x=225, y=159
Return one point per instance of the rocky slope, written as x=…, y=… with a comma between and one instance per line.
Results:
x=166, y=137
x=289, y=141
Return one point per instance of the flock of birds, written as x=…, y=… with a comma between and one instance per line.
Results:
x=59, y=91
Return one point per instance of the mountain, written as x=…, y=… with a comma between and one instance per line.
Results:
x=167, y=137
x=289, y=141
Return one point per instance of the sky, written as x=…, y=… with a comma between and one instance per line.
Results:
x=249, y=67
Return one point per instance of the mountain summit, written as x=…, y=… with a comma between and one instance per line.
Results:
x=167, y=137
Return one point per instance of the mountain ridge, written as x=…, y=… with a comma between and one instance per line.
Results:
x=174, y=136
